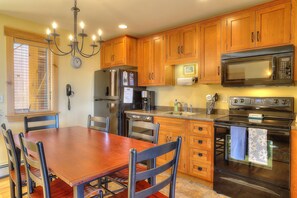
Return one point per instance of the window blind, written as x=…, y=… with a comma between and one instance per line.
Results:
x=31, y=78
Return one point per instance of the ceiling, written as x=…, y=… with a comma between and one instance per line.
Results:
x=142, y=16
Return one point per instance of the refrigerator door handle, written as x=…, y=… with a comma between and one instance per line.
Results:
x=107, y=91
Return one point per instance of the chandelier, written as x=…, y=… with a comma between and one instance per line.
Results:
x=76, y=47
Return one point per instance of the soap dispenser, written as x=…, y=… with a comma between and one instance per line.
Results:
x=175, y=105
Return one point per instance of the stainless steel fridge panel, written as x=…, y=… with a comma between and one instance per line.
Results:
x=106, y=84
x=108, y=108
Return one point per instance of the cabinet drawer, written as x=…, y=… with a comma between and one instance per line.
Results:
x=200, y=128
x=201, y=170
x=200, y=155
x=200, y=142
x=171, y=125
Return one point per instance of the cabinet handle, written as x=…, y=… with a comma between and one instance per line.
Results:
x=166, y=139
x=149, y=76
x=219, y=70
x=178, y=49
x=200, y=128
x=181, y=49
x=200, y=141
x=258, y=36
x=200, y=154
x=199, y=168
x=153, y=76
x=252, y=37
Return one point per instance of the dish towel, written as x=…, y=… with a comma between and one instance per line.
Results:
x=238, y=142
x=258, y=146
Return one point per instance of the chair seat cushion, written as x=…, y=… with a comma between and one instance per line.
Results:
x=60, y=189
x=141, y=185
x=123, y=175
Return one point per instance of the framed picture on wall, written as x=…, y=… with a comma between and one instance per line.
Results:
x=189, y=69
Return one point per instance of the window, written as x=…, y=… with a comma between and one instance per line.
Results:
x=31, y=76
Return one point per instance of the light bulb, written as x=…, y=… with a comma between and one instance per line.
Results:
x=82, y=25
x=123, y=26
x=94, y=37
x=55, y=25
x=48, y=31
x=100, y=32
x=70, y=37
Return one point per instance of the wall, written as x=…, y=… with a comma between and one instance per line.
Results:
x=196, y=94
x=81, y=81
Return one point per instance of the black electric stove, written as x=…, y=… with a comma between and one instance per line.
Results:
x=243, y=178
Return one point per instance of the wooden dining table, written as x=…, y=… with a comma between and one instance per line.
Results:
x=79, y=155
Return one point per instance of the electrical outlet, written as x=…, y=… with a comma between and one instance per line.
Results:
x=224, y=98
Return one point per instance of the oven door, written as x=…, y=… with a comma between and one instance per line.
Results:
x=275, y=173
x=259, y=70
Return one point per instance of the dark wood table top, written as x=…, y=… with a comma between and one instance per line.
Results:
x=78, y=154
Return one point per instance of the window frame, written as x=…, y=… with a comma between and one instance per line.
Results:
x=14, y=35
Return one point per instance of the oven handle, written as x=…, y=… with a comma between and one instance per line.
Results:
x=274, y=132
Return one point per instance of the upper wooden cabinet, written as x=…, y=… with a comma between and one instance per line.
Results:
x=181, y=44
x=119, y=51
x=151, y=62
x=210, y=52
x=258, y=28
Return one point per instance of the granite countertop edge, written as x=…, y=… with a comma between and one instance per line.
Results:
x=201, y=116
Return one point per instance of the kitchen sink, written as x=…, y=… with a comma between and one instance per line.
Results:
x=179, y=113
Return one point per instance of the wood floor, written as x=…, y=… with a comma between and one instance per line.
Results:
x=5, y=188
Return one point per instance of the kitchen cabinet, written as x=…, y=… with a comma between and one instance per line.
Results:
x=170, y=129
x=196, y=157
x=262, y=27
x=201, y=149
x=151, y=62
x=294, y=163
x=181, y=45
x=118, y=52
x=210, y=52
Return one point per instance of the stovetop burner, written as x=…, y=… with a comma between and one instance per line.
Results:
x=278, y=112
x=245, y=121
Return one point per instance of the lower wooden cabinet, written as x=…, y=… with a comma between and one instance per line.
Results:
x=196, y=157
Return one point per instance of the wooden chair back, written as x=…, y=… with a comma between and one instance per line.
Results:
x=12, y=152
x=152, y=154
x=38, y=163
x=144, y=126
x=101, y=121
x=38, y=120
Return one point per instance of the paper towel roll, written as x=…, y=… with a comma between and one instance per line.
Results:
x=186, y=81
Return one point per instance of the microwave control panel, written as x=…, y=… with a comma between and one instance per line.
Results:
x=284, y=68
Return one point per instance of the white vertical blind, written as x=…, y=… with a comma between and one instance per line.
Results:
x=31, y=78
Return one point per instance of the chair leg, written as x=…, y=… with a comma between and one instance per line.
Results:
x=12, y=188
x=19, y=191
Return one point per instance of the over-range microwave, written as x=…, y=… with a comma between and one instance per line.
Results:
x=270, y=66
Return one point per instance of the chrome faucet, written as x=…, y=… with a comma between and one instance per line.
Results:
x=191, y=108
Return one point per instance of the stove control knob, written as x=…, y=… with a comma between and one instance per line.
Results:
x=235, y=101
x=241, y=100
x=284, y=102
x=275, y=101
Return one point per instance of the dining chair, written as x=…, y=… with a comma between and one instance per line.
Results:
x=145, y=131
x=43, y=187
x=17, y=177
x=138, y=187
x=41, y=122
x=102, y=122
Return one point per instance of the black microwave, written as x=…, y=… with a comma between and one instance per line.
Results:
x=270, y=66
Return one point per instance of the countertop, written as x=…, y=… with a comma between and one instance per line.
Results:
x=200, y=115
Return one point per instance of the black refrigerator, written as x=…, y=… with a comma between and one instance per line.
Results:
x=116, y=90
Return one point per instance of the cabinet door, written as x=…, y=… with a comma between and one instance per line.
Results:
x=210, y=66
x=119, y=51
x=163, y=139
x=158, y=60
x=188, y=42
x=273, y=25
x=240, y=31
x=106, y=55
x=173, y=45
x=182, y=162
